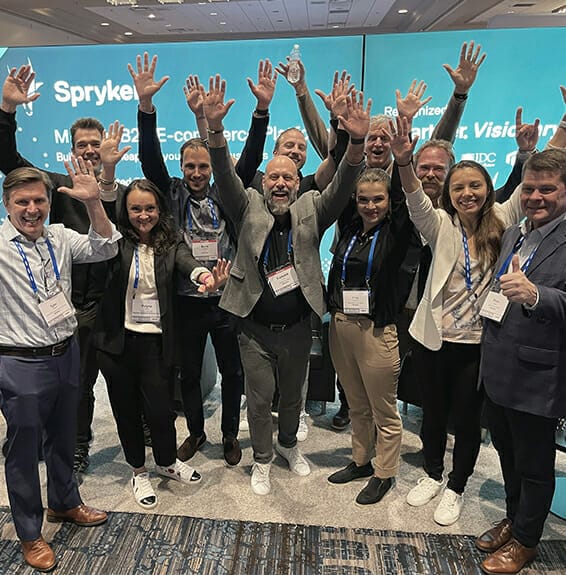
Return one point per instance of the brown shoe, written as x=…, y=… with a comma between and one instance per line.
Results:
x=190, y=446
x=232, y=451
x=510, y=558
x=495, y=537
x=82, y=515
x=39, y=555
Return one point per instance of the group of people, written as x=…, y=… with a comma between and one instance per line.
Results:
x=428, y=258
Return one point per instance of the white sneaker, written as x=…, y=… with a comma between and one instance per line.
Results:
x=297, y=462
x=260, y=478
x=424, y=491
x=449, y=508
x=180, y=471
x=303, y=431
x=143, y=491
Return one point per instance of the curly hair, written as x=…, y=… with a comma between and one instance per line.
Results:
x=163, y=235
x=489, y=228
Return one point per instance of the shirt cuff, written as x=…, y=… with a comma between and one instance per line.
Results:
x=531, y=307
x=196, y=273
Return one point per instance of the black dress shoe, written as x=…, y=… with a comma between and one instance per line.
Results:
x=374, y=490
x=351, y=472
x=190, y=446
x=342, y=418
x=232, y=451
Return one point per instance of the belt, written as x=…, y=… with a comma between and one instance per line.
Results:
x=49, y=350
x=279, y=327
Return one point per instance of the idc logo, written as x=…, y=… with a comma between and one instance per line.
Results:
x=486, y=159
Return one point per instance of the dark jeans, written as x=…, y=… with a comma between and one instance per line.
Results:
x=199, y=317
x=89, y=372
x=139, y=383
x=274, y=358
x=527, y=452
x=449, y=384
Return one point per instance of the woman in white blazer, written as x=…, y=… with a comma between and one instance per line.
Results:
x=464, y=235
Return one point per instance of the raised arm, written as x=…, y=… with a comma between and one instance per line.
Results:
x=314, y=124
x=558, y=140
x=463, y=77
x=151, y=158
x=193, y=96
x=252, y=155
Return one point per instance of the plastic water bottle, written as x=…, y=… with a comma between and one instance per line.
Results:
x=294, y=71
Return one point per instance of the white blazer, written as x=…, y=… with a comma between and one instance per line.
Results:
x=444, y=235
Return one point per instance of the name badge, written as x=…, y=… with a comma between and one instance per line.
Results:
x=355, y=301
x=283, y=280
x=205, y=250
x=494, y=306
x=145, y=310
x=56, y=309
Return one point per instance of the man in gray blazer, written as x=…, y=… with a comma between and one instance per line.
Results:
x=276, y=279
x=523, y=367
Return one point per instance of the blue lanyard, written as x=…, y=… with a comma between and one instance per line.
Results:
x=137, y=268
x=268, y=244
x=370, y=257
x=508, y=259
x=213, y=215
x=467, y=263
x=28, y=268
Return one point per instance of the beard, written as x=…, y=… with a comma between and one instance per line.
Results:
x=279, y=207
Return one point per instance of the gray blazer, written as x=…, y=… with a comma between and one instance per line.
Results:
x=311, y=214
x=523, y=363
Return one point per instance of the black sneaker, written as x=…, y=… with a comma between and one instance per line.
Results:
x=351, y=472
x=190, y=446
x=374, y=491
x=232, y=451
x=342, y=418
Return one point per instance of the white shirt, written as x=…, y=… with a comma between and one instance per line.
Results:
x=22, y=324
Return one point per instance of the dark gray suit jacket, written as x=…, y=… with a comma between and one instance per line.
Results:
x=523, y=363
x=311, y=214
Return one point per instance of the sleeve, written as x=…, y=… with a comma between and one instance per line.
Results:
x=426, y=218
x=186, y=263
x=252, y=155
x=510, y=211
x=151, y=158
x=91, y=247
x=504, y=192
x=448, y=124
x=10, y=159
x=315, y=127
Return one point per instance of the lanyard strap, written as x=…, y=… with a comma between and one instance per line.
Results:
x=467, y=262
x=370, y=257
x=213, y=215
x=268, y=245
x=137, y=267
x=25, y=260
x=508, y=259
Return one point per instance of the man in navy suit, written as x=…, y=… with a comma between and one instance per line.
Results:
x=523, y=366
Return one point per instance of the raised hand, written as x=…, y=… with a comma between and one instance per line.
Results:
x=85, y=186
x=408, y=106
x=335, y=100
x=402, y=147
x=265, y=87
x=526, y=135
x=212, y=281
x=356, y=120
x=16, y=88
x=110, y=153
x=215, y=109
x=465, y=74
x=193, y=95
x=283, y=68
x=144, y=80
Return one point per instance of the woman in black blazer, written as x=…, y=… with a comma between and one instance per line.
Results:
x=366, y=293
x=134, y=332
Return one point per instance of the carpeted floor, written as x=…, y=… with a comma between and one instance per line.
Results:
x=136, y=543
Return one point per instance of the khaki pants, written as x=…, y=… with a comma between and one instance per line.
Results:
x=366, y=360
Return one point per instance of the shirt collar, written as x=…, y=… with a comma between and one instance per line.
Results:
x=9, y=232
x=543, y=231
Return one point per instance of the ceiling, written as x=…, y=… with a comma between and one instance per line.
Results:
x=64, y=22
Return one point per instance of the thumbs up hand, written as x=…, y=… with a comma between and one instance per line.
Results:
x=516, y=287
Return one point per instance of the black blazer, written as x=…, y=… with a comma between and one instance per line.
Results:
x=109, y=330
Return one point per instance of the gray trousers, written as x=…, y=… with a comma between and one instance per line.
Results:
x=270, y=358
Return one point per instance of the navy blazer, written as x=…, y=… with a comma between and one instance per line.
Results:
x=109, y=330
x=523, y=364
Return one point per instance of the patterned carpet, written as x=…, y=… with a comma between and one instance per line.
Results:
x=144, y=544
